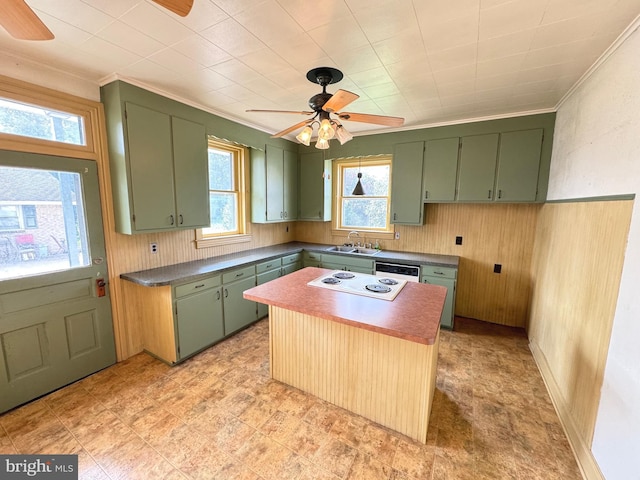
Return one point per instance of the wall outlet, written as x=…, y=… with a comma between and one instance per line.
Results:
x=458, y=240
x=153, y=247
x=397, y=236
x=497, y=268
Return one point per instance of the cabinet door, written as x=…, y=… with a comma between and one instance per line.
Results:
x=315, y=187
x=518, y=166
x=446, y=320
x=440, y=170
x=477, y=170
x=406, y=184
x=191, y=172
x=238, y=312
x=275, y=183
x=199, y=320
x=292, y=267
x=263, y=308
x=290, y=185
x=151, y=168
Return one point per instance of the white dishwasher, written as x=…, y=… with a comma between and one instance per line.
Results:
x=410, y=273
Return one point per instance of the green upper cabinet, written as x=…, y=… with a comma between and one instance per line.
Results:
x=191, y=173
x=274, y=190
x=159, y=169
x=440, y=170
x=518, y=166
x=314, y=187
x=477, y=168
x=406, y=184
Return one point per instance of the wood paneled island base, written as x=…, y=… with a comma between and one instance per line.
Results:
x=387, y=378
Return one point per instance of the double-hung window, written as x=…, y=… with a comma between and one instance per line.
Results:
x=368, y=212
x=227, y=199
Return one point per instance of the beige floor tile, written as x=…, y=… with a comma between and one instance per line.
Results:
x=218, y=416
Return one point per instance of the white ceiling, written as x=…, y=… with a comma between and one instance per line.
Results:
x=425, y=60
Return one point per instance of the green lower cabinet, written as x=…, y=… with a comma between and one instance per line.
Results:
x=263, y=308
x=238, y=312
x=199, y=321
x=292, y=267
x=311, y=259
x=445, y=277
x=350, y=264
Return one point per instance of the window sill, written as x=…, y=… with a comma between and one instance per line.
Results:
x=364, y=236
x=220, y=241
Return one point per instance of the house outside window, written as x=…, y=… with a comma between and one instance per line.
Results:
x=368, y=213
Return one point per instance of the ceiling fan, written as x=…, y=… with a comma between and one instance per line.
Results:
x=323, y=105
x=22, y=23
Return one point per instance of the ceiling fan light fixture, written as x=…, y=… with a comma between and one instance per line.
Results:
x=322, y=143
x=326, y=131
x=343, y=135
x=304, y=137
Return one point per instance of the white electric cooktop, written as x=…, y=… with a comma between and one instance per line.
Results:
x=360, y=284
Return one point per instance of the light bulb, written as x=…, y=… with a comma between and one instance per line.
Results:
x=326, y=131
x=322, y=144
x=304, y=136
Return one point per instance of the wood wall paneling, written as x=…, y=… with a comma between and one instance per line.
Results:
x=576, y=268
x=492, y=233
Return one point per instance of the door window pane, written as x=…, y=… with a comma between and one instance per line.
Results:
x=42, y=222
x=37, y=122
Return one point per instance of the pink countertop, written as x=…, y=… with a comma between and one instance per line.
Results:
x=414, y=315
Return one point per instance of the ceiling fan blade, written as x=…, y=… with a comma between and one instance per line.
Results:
x=339, y=100
x=376, y=119
x=291, y=129
x=22, y=23
x=281, y=111
x=179, y=7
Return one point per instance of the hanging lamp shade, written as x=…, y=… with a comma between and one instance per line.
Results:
x=358, y=190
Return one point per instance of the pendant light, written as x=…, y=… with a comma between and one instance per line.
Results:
x=358, y=190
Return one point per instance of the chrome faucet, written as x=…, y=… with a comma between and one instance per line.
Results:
x=349, y=242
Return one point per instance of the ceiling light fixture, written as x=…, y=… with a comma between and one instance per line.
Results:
x=327, y=129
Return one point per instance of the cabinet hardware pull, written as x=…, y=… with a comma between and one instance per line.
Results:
x=181, y=219
x=239, y=274
x=489, y=196
x=439, y=273
x=281, y=214
x=226, y=293
x=285, y=214
x=218, y=292
x=172, y=220
x=426, y=194
x=394, y=216
x=200, y=286
x=499, y=193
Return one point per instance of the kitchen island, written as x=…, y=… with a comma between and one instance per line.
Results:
x=374, y=357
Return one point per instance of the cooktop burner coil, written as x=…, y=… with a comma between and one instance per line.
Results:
x=344, y=275
x=377, y=288
x=388, y=281
x=330, y=281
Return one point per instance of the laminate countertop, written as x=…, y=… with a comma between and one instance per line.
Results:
x=414, y=315
x=197, y=269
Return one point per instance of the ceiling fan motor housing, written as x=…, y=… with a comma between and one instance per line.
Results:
x=317, y=101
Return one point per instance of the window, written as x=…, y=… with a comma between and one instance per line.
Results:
x=368, y=212
x=27, y=120
x=227, y=199
x=60, y=242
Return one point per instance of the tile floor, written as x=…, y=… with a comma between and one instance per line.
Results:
x=219, y=416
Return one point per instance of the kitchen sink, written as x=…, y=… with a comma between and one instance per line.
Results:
x=353, y=250
x=343, y=249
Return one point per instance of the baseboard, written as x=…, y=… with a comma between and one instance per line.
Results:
x=581, y=450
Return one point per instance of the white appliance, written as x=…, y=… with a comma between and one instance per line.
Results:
x=360, y=284
x=409, y=273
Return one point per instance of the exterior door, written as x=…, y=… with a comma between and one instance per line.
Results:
x=55, y=313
